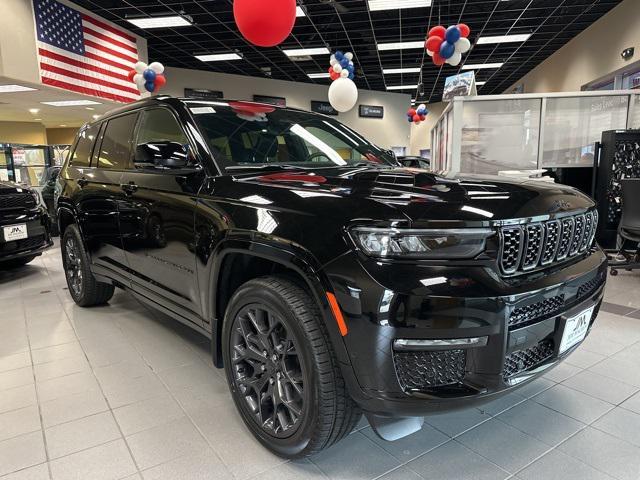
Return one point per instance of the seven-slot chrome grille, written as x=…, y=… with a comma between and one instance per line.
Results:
x=526, y=247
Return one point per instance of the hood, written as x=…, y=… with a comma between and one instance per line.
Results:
x=10, y=187
x=420, y=196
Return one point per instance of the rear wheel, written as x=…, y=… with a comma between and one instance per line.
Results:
x=17, y=262
x=85, y=290
x=282, y=370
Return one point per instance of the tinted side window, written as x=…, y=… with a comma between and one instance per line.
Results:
x=115, y=150
x=81, y=156
x=159, y=125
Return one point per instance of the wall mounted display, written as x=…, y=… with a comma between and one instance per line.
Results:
x=462, y=85
x=371, y=111
x=203, y=93
x=323, y=107
x=277, y=101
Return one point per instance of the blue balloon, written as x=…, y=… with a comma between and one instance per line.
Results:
x=421, y=111
x=149, y=86
x=447, y=50
x=452, y=35
x=344, y=62
x=351, y=76
x=410, y=119
x=339, y=55
x=149, y=75
x=351, y=68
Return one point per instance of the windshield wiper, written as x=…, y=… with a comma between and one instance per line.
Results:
x=265, y=166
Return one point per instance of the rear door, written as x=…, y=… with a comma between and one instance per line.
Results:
x=102, y=195
x=157, y=218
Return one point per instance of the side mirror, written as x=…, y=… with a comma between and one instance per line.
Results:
x=162, y=154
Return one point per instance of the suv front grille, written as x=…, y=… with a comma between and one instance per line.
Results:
x=535, y=312
x=524, y=360
x=527, y=247
x=590, y=286
x=24, y=244
x=424, y=370
x=17, y=201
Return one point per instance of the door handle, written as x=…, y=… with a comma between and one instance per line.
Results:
x=129, y=188
x=83, y=182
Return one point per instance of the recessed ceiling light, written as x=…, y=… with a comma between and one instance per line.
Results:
x=63, y=125
x=479, y=84
x=300, y=12
x=96, y=117
x=523, y=37
x=37, y=119
x=397, y=4
x=71, y=103
x=401, y=87
x=388, y=71
x=219, y=57
x=89, y=108
x=400, y=45
x=15, y=88
x=34, y=110
x=480, y=66
x=318, y=75
x=161, y=22
x=302, y=52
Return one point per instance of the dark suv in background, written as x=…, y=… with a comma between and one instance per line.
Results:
x=24, y=225
x=330, y=279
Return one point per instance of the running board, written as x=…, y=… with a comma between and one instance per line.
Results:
x=394, y=428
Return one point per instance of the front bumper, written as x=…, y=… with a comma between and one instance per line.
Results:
x=38, y=230
x=522, y=318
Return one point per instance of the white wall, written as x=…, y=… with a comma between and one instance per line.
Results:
x=392, y=130
x=421, y=134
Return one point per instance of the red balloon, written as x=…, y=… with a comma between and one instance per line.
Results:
x=437, y=59
x=433, y=44
x=334, y=75
x=464, y=29
x=416, y=118
x=131, y=74
x=265, y=23
x=422, y=117
x=438, y=31
x=412, y=112
x=159, y=82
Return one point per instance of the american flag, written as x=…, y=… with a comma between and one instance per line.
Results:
x=82, y=54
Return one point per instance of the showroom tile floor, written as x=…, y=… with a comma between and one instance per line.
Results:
x=121, y=391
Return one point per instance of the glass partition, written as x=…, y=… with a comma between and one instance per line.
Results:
x=500, y=135
x=572, y=125
x=29, y=164
x=634, y=112
x=5, y=164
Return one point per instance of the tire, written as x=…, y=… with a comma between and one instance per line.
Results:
x=85, y=290
x=17, y=262
x=326, y=411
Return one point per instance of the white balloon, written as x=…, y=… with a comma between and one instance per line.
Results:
x=421, y=106
x=351, y=64
x=140, y=67
x=344, y=73
x=349, y=56
x=343, y=94
x=429, y=52
x=157, y=67
x=337, y=68
x=455, y=59
x=139, y=79
x=333, y=60
x=463, y=45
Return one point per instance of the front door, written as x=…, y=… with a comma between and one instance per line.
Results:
x=157, y=218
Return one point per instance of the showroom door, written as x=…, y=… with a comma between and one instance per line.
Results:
x=157, y=218
x=100, y=195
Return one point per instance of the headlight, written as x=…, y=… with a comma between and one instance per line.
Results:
x=457, y=243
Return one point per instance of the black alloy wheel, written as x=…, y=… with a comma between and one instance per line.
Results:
x=267, y=370
x=73, y=266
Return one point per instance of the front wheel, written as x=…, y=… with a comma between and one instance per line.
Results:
x=282, y=371
x=85, y=290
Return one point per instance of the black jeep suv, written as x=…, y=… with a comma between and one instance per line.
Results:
x=24, y=225
x=330, y=280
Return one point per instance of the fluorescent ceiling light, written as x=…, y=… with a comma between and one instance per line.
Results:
x=300, y=12
x=388, y=71
x=480, y=66
x=71, y=103
x=160, y=22
x=504, y=39
x=400, y=45
x=401, y=87
x=318, y=75
x=479, y=84
x=375, y=5
x=303, y=52
x=34, y=110
x=218, y=57
x=15, y=88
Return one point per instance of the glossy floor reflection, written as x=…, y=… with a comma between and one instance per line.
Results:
x=121, y=391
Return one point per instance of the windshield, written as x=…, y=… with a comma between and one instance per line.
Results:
x=245, y=134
